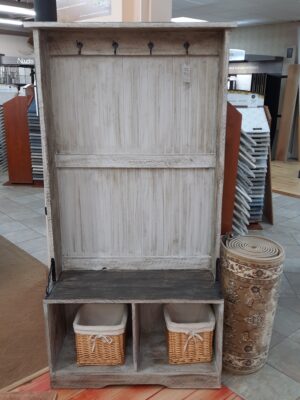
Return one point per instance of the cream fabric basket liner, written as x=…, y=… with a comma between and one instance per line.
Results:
x=188, y=318
x=101, y=319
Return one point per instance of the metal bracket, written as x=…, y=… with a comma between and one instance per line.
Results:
x=51, y=277
x=186, y=45
x=46, y=211
x=79, y=46
x=115, y=46
x=150, y=46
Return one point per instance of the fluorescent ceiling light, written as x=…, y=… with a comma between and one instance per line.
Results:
x=187, y=19
x=16, y=10
x=10, y=21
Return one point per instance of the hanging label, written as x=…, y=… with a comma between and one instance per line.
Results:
x=186, y=73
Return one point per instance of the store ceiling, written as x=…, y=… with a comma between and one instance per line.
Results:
x=245, y=12
x=11, y=29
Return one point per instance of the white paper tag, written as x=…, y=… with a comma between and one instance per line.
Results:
x=186, y=73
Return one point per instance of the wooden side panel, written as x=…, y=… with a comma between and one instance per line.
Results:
x=220, y=144
x=288, y=110
x=218, y=341
x=17, y=140
x=134, y=105
x=47, y=135
x=136, y=335
x=233, y=133
x=55, y=331
x=136, y=212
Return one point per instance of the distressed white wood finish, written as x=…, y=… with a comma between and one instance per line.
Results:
x=46, y=122
x=136, y=212
x=133, y=176
x=132, y=263
x=165, y=26
x=137, y=105
x=135, y=43
x=135, y=161
x=137, y=172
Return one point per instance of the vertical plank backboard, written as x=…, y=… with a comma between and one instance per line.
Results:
x=133, y=146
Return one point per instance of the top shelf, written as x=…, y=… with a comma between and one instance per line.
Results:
x=129, y=25
x=135, y=287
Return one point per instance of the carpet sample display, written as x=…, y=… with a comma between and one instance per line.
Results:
x=22, y=333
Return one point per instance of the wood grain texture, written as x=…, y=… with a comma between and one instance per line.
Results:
x=17, y=140
x=220, y=144
x=136, y=213
x=136, y=263
x=233, y=132
x=134, y=43
x=136, y=335
x=169, y=26
x=29, y=396
x=285, y=178
x=46, y=126
x=140, y=392
x=149, y=286
x=147, y=108
x=287, y=114
x=136, y=161
x=134, y=152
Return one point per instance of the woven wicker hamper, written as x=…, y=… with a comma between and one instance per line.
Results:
x=100, y=334
x=190, y=329
x=251, y=268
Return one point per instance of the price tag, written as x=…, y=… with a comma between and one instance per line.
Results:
x=186, y=73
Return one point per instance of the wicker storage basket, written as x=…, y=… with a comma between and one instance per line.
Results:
x=190, y=329
x=100, y=334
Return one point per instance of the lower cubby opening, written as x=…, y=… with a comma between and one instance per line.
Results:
x=62, y=343
x=154, y=346
x=146, y=360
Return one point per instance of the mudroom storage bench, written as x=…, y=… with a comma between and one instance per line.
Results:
x=132, y=123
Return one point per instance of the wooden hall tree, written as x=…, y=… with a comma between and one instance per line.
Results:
x=132, y=119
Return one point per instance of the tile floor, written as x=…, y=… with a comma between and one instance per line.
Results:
x=22, y=222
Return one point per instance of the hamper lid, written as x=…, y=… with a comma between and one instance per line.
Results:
x=254, y=248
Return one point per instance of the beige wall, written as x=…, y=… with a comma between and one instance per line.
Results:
x=265, y=39
x=12, y=45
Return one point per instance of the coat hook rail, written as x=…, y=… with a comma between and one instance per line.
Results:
x=79, y=46
x=150, y=45
x=186, y=45
x=115, y=46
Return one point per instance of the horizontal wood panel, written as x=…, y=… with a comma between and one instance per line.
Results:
x=136, y=212
x=149, y=286
x=134, y=43
x=147, y=107
x=134, y=263
x=135, y=161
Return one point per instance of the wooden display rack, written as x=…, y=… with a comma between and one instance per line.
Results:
x=132, y=121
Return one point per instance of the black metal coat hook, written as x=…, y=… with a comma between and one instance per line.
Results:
x=186, y=45
x=150, y=45
x=115, y=45
x=79, y=46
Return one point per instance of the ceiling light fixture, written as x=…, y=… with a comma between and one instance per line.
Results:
x=187, y=19
x=17, y=10
x=10, y=21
